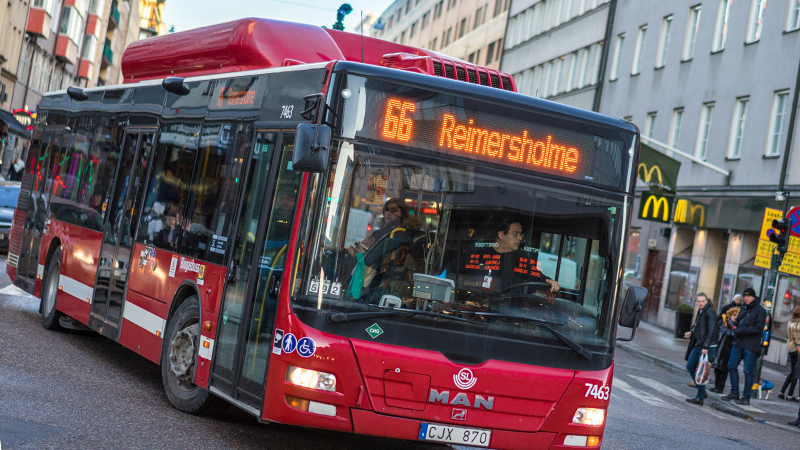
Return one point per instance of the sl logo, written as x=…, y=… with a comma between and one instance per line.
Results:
x=647, y=175
x=464, y=379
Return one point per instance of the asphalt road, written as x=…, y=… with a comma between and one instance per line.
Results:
x=77, y=390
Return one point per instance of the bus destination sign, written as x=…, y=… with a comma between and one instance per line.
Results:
x=238, y=93
x=485, y=137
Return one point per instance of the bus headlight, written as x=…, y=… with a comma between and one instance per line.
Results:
x=589, y=416
x=311, y=379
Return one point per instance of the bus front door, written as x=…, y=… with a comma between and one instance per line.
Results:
x=42, y=165
x=118, y=233
x=247, y=314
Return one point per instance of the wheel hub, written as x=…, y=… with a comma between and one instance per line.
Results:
x=182, y=353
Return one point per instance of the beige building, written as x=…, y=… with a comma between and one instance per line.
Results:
x=470, y=30
x=12, y=33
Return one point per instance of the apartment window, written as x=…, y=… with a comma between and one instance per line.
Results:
x=754, y=22
x=523, y=30
x=637, y=53
x=777, y=123
x=89, y=47
x=548, y=72
x=701, y=145
x=490, y=53
x=43, y=4
x=498, y=7
x=448, y=35
x=583, y=64
x=573, y=65
x=478, y=16
x=71, y=22
x=536, y=13
x=463, y=28
x=471, y=57
x=556, y=85
x=675, y=127
x=433, y=45
x=649, y=124
x=567, y=10
x=663, y=41
x=408, y=6
x=793, y=17
x=403, y=37
x=413, y=30
x=598, y=56
x=691, y=33
x=721, y=27
x=737, y=128
x=617, y=57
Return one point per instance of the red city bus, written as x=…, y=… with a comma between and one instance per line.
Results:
x=347, y=234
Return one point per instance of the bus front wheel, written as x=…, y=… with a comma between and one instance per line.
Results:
x=50, y=315
x=178, y=359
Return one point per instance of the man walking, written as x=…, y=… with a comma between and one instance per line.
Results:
x=747, y=332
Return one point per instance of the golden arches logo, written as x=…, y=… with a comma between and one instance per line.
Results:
x=646, y=175
x=685, y=212
x=658, y=204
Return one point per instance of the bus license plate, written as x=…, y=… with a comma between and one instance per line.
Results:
x=454, y=435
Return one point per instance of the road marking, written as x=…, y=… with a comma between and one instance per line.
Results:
x=641, y=395
x=749, y=408
x=13, y=290
x=666, y=390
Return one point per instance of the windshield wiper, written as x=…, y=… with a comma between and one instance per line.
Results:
x=582, y=352
x=335, y=316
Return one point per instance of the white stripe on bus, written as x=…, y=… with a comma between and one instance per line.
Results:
x=76, y=288
x=144, y=319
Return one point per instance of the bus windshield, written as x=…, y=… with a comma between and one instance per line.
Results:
x=465, y=259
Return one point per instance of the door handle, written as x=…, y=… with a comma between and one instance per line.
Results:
x=274, y=287
x=233, y=271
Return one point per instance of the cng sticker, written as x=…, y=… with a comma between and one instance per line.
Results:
x=225, y=317
x=374, y=330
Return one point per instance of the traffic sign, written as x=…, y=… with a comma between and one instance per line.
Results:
x=769, y=215
x=794, y=214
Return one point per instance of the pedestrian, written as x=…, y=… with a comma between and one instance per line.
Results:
x=725, y=342
x=793, y=345
x=15, y=171
x=736, y=303
x=702, y=341
x=747, y=330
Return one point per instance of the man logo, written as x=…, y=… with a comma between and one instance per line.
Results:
x=647, y=175
x=464, y=379
x=658, y=205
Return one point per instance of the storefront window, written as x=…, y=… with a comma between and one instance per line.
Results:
x=787, y=297
x=678, y=275
x=749, y=277
x=632, y=260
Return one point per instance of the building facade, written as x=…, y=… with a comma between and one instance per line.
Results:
x=718, y=80
x=555, y=48
x=470, y=30
x=12, y=20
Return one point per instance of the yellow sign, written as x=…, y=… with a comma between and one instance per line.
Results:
x=647, y=175
x=763, y=262
x=769, y=215
x=660, y=205
x=686, y=212
x=766, y=249
x=791, y=261
x=791, y=264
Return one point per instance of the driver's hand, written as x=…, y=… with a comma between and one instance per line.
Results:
x=554, y=287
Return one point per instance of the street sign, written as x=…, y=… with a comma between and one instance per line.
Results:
x=769, y=215
x=765, y=249
x=794, y=214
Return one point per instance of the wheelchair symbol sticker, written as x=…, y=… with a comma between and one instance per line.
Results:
x=289, y=343
x=306, y=347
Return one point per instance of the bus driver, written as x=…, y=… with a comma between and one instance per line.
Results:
x=497, y=266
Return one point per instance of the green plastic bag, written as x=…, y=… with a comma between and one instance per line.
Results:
x=357, y=280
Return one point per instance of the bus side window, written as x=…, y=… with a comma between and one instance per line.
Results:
x=105, y=156
x=213, y=193
x=163, y=213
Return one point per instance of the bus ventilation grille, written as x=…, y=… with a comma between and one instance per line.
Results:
x=473, y=76
x=448, y=69
x=495, y=81
x=387, y=61
x=506, y=83
x=484, y=79
x=462, y=75
x=437, y=69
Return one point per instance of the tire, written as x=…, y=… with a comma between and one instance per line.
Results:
x=50, y=315
x=178, y=359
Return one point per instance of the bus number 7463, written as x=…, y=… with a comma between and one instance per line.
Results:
x=598, y=392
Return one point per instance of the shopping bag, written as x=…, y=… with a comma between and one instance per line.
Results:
x=703, y=370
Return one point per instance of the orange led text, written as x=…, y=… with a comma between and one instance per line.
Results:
x=396, y=125
x=520, y=149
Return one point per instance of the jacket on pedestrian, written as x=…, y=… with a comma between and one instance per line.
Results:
x=724, y=344
x=704, y=331
x=793, y=337
x=750, y=326
x=727, y=307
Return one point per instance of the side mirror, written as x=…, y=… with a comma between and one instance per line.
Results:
x=631, y=310
x=311, y=148
x=175, y=85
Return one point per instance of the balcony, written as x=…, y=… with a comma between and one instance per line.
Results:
x=85, y=69
x=38, y=23
x=113, y=16
x=108, y=55
x=66, y=50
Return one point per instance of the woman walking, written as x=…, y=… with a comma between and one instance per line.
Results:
x=793, y=345
x=724, y=348
x=702, y=341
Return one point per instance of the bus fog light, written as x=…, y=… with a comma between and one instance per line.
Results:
x=581, y=441
x=589, y=416
x=311, y=379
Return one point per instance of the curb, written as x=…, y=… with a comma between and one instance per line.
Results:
x=714, y=404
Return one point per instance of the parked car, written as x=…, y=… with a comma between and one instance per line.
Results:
x=9, y=193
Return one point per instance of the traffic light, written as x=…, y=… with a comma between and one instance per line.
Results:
x=781, y=234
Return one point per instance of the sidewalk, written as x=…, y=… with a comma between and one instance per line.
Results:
x=660, y=346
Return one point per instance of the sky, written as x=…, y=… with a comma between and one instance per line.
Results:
x=188, y=14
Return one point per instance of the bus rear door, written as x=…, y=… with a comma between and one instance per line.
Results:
x=118, y=232
x=247, y=314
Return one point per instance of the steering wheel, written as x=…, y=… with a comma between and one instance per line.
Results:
x=529, y=283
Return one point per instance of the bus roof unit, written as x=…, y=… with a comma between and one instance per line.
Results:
x=252, y=43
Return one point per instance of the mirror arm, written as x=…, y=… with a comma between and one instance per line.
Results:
x=315, y=101
x=636, y=325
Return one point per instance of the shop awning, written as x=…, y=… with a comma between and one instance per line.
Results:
x=13, y=124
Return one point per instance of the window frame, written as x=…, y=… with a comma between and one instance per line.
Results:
x=755, y=21
x=704, y=130
x=663, y=41
x=692, y=28
x=649, y=124
x=619, y=43
x=738, y=122
x=773, y=115
x=793, y=8
x=638, y=51
x=675, y=127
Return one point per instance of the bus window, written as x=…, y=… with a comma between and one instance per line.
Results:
x=105, y=150
x=163, y=213
x=213, y=193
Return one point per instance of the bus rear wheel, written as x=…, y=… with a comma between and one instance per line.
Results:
x=50, y=315
x=178, y=360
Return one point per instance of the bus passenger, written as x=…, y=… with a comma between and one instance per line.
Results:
x=494, y=267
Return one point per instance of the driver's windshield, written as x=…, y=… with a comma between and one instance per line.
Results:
x=427, y=234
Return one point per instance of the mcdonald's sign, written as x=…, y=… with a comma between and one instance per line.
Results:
x=690, y=213
x=655, y=207
x=646, y=174
x=657, y=169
